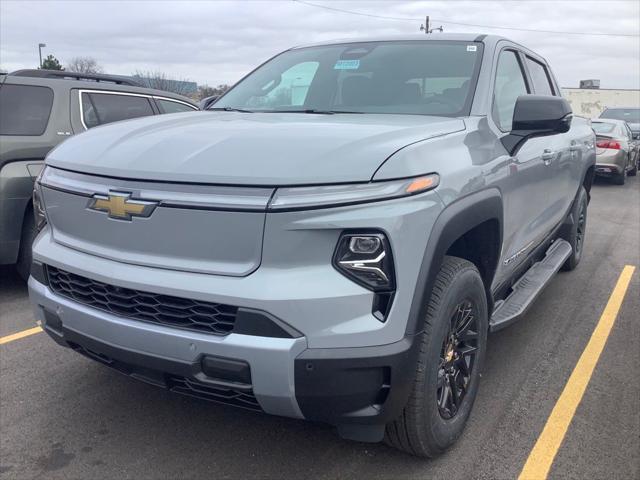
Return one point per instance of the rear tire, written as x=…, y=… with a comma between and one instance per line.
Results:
x=23, y=266
x=634, y=170
x=576, y=234
x=448, y=370
x=619, y=178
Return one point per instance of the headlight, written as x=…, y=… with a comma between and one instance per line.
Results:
x=366, y=258
x=38, y=206
x=300, y=198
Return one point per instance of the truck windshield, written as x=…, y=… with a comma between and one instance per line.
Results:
x=398, y=77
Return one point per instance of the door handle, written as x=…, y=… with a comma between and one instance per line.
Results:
x=547, y=156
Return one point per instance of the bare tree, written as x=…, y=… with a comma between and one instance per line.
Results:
x=205, y=91
x=160, y=81
x=84, y=65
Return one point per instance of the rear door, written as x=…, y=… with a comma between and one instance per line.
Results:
x=91, y=108
x=561, y=153
x=170, y=105
x=32, y=121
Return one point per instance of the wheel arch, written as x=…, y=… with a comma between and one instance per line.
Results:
x=587, y=179
x=465, y=219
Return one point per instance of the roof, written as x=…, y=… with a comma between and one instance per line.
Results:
x=88, y=82
x=461, y=37
x=64, y=75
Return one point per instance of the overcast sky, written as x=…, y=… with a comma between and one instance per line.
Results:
x=219, y=41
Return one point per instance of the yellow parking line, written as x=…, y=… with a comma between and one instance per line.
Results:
x=544, y=451
x=19, y=335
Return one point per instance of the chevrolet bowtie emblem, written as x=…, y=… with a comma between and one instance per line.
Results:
x=119, y=205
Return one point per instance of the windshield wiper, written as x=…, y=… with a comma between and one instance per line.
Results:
x=230, y=109
x=312, y=110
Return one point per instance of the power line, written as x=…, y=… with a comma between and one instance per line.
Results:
x=407, y=19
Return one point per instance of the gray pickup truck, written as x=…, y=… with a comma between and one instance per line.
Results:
x=332, y=241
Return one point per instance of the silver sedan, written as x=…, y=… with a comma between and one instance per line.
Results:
x=616, y=150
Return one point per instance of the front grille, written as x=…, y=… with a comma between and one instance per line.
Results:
x=155, y=308
x=229, y=396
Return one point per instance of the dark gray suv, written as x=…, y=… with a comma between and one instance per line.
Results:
x=38, y=110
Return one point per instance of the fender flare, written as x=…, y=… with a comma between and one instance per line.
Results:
x=454, y=221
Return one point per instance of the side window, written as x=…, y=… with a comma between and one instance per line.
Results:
x=289, y=90
x=510, y=84
x=539, y=77
x=101, y=108
x=24, y=109
x=168, y=106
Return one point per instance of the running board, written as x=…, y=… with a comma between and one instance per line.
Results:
x=529, y=286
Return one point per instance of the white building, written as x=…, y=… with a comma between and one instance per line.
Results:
x=588, y=102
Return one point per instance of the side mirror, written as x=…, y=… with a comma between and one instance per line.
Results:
x=206, y=102
x=537, y=116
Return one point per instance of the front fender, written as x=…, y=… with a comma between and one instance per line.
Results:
x=454, y=221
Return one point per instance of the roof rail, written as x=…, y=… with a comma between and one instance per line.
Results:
x=63, y=75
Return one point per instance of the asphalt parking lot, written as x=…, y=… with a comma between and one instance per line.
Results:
x=63, y=416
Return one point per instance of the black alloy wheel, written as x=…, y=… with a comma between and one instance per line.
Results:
x=457, y=359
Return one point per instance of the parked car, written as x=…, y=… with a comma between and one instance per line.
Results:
x=617, y=153
x=38, y=110
x=631, y=115
x=332, y=240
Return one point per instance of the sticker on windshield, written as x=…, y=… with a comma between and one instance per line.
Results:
x=472, y=48
x=347, y=65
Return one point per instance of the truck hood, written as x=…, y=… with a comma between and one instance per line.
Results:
x=247, y=148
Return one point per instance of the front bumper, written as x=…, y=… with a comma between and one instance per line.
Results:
x=172, y=351
x=357, y=389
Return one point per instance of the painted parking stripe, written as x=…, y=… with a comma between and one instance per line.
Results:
x=19, y=335
x=544, y=451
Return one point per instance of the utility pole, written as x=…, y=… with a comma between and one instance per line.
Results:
x=40, y=47
x=426, y=27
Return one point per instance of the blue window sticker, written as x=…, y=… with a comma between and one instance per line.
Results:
x=347, y=65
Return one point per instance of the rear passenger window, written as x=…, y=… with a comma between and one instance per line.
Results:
x=510, y=84
x=539, y=77
x=168, y=106
x=24, y=109
x=101, y=108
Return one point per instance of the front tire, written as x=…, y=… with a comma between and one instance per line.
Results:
x=452, y=348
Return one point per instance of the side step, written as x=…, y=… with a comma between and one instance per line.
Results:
x=529, y=286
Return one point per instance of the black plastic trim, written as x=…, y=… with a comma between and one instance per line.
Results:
x=453, y=222
x=356, y=386
x=39, y=272
x=262, y=324
x=206, y=371
x=247, y=321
